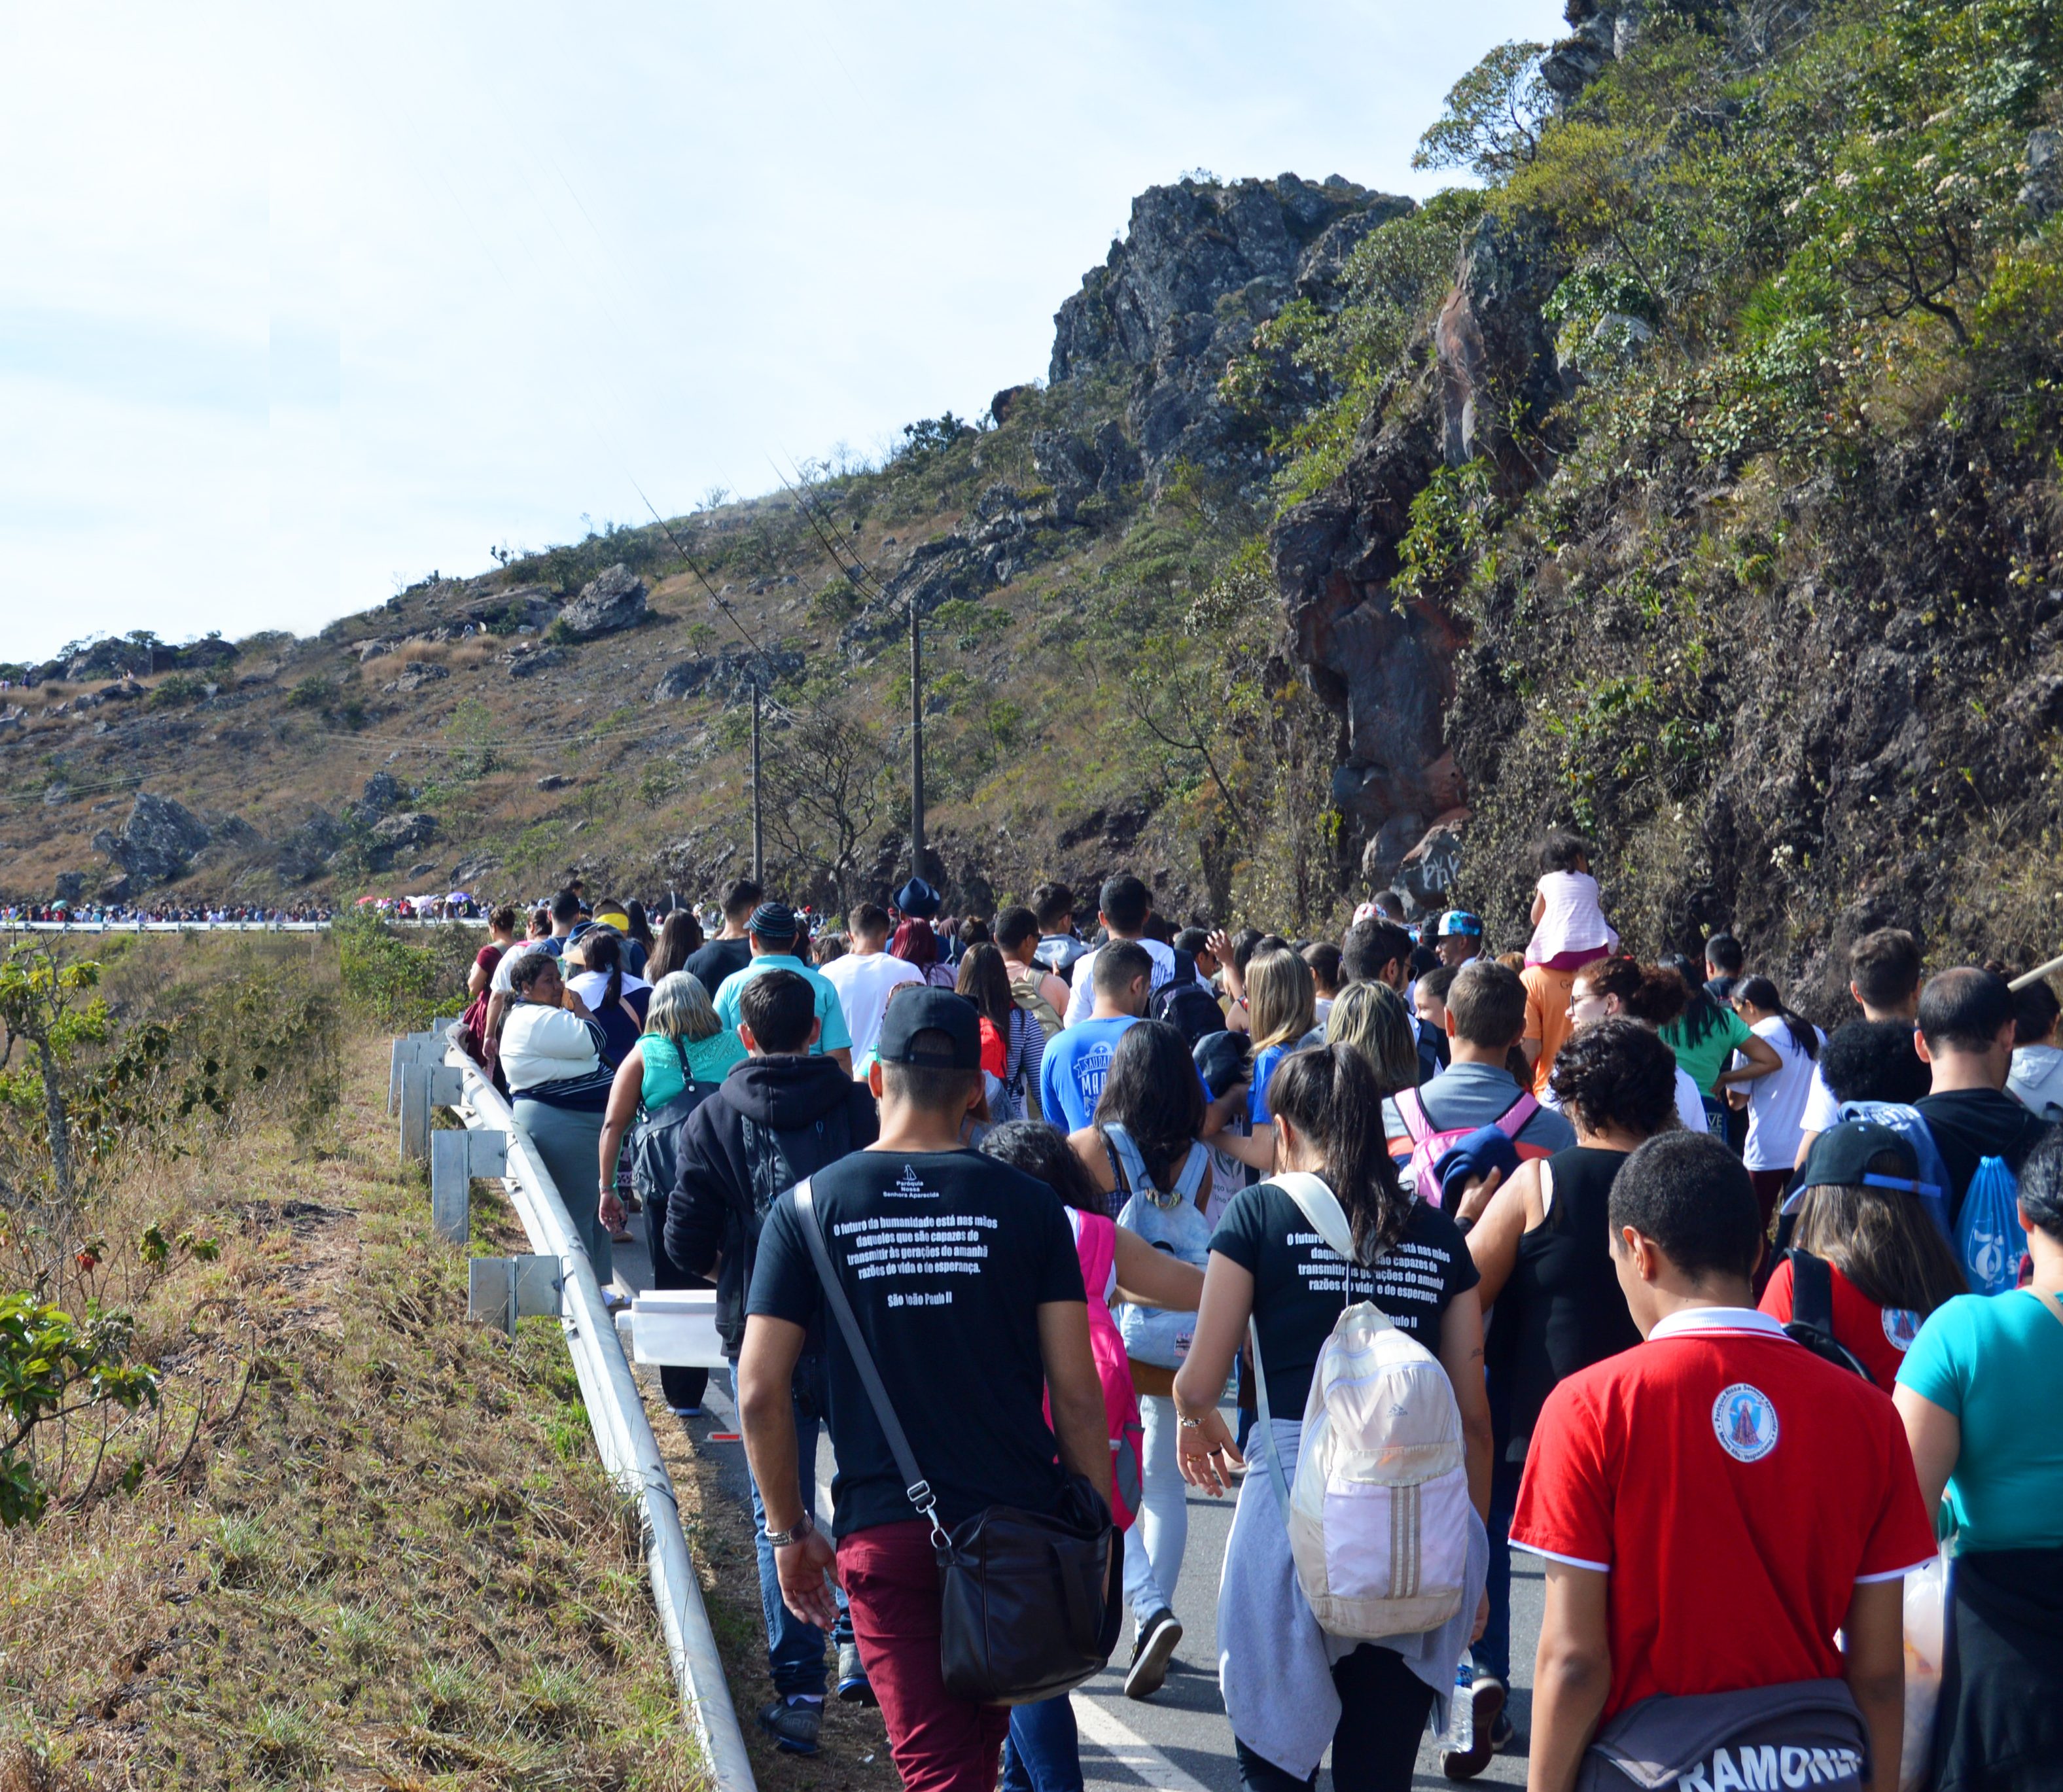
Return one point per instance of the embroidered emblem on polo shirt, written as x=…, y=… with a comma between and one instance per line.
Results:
x=1745, y=1423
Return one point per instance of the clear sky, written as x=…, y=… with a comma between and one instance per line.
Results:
x=301, y=302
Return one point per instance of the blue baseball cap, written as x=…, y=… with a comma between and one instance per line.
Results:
x=1459, y=923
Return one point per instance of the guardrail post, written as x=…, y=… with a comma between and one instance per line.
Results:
x=424, y=1087
x=455, y=1159
x=410, y=1048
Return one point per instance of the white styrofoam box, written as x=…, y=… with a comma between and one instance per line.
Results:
x=676, y=1328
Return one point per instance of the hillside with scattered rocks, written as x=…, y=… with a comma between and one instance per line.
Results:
x=1688, y=473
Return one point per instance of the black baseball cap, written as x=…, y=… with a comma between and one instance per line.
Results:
x=773, y=921
x=1862, y=1153
x=921, y=1010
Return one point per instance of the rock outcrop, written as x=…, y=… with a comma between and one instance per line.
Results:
x=1203, y=265
x=1386, y=662
x=613, y=599
x=729, y=673
x=157, y=842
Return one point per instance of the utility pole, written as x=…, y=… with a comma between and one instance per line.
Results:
x=758, y=848
x=916, y=744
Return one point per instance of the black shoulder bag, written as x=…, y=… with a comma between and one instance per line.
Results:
x=1812, y=1322
x=1030, y=1602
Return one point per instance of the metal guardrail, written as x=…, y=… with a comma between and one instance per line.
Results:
x=615, y=1409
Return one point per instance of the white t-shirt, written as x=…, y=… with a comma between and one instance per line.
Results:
x=1776, y=1102
x=864, y=981
x=1081, y=998
x=1822, y=1111
x=1690, y=1104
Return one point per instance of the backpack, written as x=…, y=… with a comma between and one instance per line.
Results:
x=1990, y=1242
x=1024, y=991
x=1428, y=1146
x=1168, y=1221
x=655, y=1147
x=1185, y=1004
x=1811, y=1321
x=1379, y=1515
x=1095, y=1243
x=771, y=1151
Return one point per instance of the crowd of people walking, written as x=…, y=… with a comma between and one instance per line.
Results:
x=1424, y=1253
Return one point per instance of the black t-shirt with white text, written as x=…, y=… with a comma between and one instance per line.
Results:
x=1297, y=1293
x=946, y=1257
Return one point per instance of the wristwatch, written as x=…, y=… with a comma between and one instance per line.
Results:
x=795, y=1534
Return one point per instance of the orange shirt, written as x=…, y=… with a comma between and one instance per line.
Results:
x=1546, y=1017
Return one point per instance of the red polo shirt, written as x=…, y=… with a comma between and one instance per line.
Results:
x=1879, y=1336
x=1736, y=1489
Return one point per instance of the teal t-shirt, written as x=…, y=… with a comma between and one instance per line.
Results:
x=1996, y=1362
x=830, y=1011
x=1708, y=1057
x=708, y=1061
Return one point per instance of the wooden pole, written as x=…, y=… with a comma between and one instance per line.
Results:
x=916, y=744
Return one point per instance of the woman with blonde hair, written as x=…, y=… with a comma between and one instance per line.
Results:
x=683, y=1053
x=1281, y=1005
x=1373, y=1020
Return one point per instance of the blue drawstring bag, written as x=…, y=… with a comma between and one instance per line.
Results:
x=1989, y=1238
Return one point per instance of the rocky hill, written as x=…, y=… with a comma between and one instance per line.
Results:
x=1692, y=476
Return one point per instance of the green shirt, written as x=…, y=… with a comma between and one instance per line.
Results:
x=1996, y=1362
x=1708, y=1057
x=830, y=1011
x=708, y=1060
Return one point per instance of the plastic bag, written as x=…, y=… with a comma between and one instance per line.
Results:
x=1926, y=1601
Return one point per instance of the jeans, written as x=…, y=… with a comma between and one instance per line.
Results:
x=1153, y=1546
x=939, y=1743
x=1042, y=1754
x=795, y=1651
x=1491, y=1652
x=1376, y=1744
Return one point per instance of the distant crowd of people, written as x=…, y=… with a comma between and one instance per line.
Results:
x=1429, y=1253
x=63, y=914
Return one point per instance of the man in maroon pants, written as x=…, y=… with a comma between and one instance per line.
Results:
x=963, y=1277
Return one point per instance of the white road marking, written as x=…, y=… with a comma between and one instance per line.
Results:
x=1116, y=1738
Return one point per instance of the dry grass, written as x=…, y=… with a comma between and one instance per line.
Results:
x=399, y=1567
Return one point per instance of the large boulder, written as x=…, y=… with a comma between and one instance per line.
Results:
x=383, y=794
x=303, y=853
x=731, y=673
x=416, y=674
x=157, y=842
x=613, y=601
x=411, y=828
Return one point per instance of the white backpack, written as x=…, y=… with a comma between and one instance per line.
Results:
x=1379, y=1515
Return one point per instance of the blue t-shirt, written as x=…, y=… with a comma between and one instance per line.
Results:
x=1996, y=1361
x=1265, y=1062
x=830, y=1011
x=1070, y=1076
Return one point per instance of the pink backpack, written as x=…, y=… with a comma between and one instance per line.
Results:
x=1096, y=1244
x=1429, y=1147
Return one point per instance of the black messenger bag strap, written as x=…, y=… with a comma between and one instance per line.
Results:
x=917, y=1490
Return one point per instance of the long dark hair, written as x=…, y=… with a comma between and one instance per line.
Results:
x=1759, y=992
x=1883, y=1241
x=680, y=938
x=1041, y=1150
x=1328, y=1094
x=641, y=925
x=602, y=949
x=1153, y=1091
x=1701, y=1014
x=985, y=982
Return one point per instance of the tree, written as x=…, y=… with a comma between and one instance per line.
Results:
x=44, y=1004
x=1495, y=112
x=826, y=781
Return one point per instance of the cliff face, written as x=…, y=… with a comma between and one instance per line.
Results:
x=1201, y=266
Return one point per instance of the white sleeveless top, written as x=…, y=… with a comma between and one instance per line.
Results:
x=1574, y=920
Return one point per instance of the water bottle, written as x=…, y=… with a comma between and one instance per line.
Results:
x=1461, y=1736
